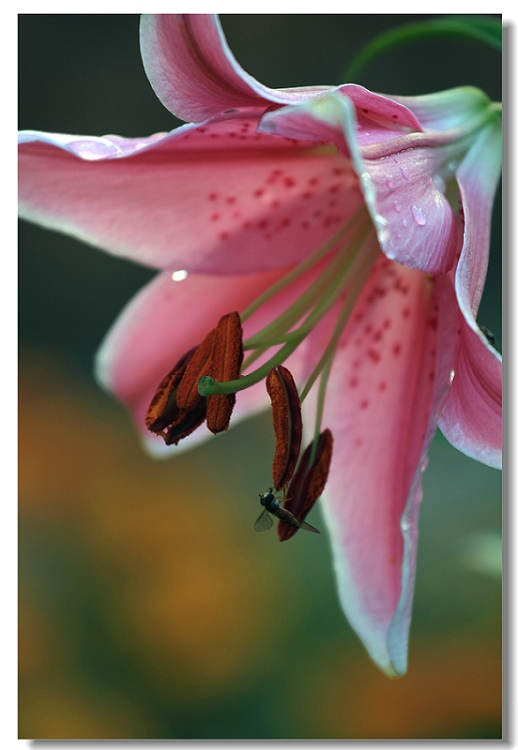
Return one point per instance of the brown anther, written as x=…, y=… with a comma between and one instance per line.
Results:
x=186, y=422
x=287, y=424
x=225, y=365
x=187, y=397
x=163, y=410
x=308, y=483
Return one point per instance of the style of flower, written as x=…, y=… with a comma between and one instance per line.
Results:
x=349, y=230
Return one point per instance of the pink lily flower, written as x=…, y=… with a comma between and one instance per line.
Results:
x=350, y=230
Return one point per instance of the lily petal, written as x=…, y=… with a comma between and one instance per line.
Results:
x=146, y=339
x=399, y=178
x=265, y=201
x=194, y=73
x=387, y=380
x=446, y=110
x=471, y=418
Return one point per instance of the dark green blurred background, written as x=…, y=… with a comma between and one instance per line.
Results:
x=148, y=605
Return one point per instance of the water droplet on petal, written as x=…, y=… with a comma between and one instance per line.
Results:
x=179, y=275
x=419, y=216
x=390, y=183
x=397, y=207
x=404, y=173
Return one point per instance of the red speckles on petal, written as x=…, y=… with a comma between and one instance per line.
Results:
x=400, y=286
x=373, y=355
x=353, y=382
x=382, y=386
x=231, y=199
x=275, y=204
x=339, y=170
x=387, y=323
x=274, y=176
x=258, y=193
x=335, y=188
x=262, y=224
x=396, y=349
x=224, y=235
x=307, y=195
x=433, y=323
x=214, y=217
x=213, y=196
x=364, y=403
x=358, y=442
x=289, y=182
x=406, y=312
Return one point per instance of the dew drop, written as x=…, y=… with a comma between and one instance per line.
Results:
x=404, y=173
x=419, y=217
x=397, y=207
x=179, y=275
x=390, y=183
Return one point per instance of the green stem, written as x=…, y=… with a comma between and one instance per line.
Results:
x=207, y=386
x=334, y=280
x=326, y=280
x=364, y=270
x=301, y=268
x=322, y=387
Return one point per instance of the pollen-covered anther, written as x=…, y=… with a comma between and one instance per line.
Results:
x=186, y=422
x=308, y=483
x=188, y=397
x=225, y=364
x=163, y=409
x=287, y=424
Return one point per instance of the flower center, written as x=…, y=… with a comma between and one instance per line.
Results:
x=202, y=386
x=347, y=259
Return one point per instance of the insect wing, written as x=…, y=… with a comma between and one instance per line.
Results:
x=264, y=522
x=309, y=527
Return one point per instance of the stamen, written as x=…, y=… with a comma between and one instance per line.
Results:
x=302, y=267
x=186, y=422
x=326, y=282
x=188, y=397
x=226, y=360
x=163, y=409
x=287, y=424
x=356, y=264
x=308, y=483
x=360, y=271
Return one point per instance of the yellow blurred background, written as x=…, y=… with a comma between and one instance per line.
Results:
x=149, y=607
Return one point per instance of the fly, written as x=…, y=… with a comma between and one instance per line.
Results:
x=272, y=507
